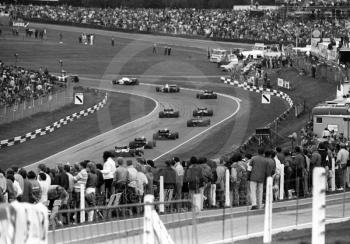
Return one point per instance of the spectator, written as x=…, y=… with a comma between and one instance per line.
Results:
x=44, y=169
x=108, y=171
x=3, y=186
x=61, y=178
x=120, y=176
x=90, y=192
x=18, y=178
x=44, y=188
x=341, y=164
x=80, y=180
x=169, y=178
x=179, y=170
x=141, y=180
x=194, y=177
x=35, y=188
x=260, y=170
x=67, y=170
x=298, y=171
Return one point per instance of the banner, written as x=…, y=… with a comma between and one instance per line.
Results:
x=23, y=223
x=287, y=85
x=20, y=24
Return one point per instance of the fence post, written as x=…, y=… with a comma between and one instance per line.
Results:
x=148, y=233
x=268, y=212
x=318, y=205
x=82, y=203
x=333, y=175
x=161, y=194
x=282, y=183
x=227, y=189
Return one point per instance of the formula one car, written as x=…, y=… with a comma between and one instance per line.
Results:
x=168, y=88
x=126, y=81
x=203, y=112
x=125, y=151
x=165, y=134
x=198, y=122
x=169, y=113
x=141, y=142
x=207, y=95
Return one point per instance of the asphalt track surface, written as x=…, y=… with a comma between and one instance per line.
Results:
x=225, y=107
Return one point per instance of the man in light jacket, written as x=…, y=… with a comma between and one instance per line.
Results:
x=108, y=171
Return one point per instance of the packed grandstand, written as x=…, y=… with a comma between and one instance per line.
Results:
x=186, y=176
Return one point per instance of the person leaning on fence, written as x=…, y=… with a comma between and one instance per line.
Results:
x=132, y=183
x=44, y=188
x=36, y=189
x=179, y=170
x=220, y=183
x=90, y=192
x=207, y=178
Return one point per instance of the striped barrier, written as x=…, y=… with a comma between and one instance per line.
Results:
x=54, y=126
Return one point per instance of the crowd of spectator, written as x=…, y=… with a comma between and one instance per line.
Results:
x=182, y=179
x=215, y=23
x=18, y=84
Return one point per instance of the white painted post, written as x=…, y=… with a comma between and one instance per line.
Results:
x=161, y=194
x=148, y=232
x=333, y=175
x=213, y=194
x=227, y=189
x=268, y=212
x=282, y=182
x=318, y=205
x=82, y=203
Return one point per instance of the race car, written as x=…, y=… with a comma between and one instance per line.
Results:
x=169, y=113
x=168, y=88
x=125, y=151
x=198, y=122
x=126, y=81
x=203, y=112
x=165, y=134
x=207, y=95
x=141, y=142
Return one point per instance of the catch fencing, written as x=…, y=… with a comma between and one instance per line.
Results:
x=32, y=106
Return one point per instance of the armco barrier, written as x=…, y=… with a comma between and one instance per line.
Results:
x=54, y=126
x=273, y=92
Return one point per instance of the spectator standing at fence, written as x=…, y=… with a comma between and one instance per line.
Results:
x=120, y=176
x=150, y=180
x=3, y=186
x=169, y=177
x=36, y=190
x=67, y=170
x=194, y=177
x=61, y=178
x=260, y=171
x=141, y=180
x=80, y=179
x=43, y=168
x=18, y=178
x=44, y=188
x=298, y=171
x=108, y=171
x=179, y=170
x=90, y=192
x=220, y=183
x=341, y=163
x=306, y=175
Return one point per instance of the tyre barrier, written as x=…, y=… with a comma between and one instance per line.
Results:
x=54, y=126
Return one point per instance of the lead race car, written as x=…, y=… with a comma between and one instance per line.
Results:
x=168, y=88
x=165, y=134
x=141, y=142
x=126, y=81
x=198, y=122
x=169, y=113
x=125, y=151
x=203, y=112
x=206, y=94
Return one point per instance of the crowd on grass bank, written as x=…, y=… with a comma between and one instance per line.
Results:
x=133, y=178
x=215, y=23
x=18, y=84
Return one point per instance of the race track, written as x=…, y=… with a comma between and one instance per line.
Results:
x=225, y=107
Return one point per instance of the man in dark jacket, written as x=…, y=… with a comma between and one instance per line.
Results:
x=298, y=170
x=194, y=176
x=61, y=178
x=260, y=170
